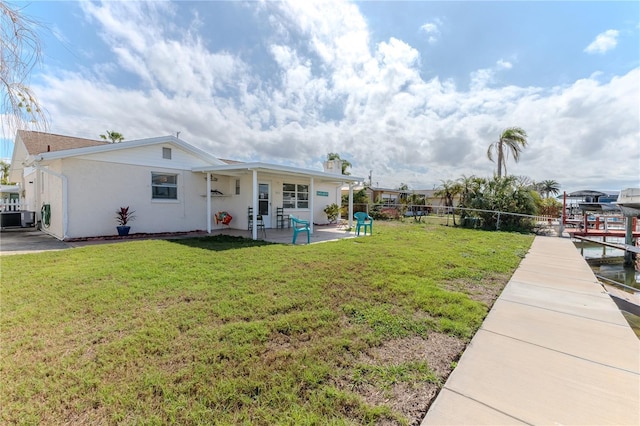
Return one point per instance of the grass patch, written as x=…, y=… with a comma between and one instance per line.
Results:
x=231, y=331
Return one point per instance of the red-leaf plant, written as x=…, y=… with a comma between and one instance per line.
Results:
x=124, y=216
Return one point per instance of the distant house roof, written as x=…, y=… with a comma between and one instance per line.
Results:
x=591, y=193
x=39, y=142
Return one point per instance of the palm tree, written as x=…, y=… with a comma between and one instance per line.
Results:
x=345, y=163
x=113, y=136
x=512, y=139
x=447, y=191
x=549, y=186
x=4, y=169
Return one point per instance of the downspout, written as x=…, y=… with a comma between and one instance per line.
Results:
x=208, y=202
x=312, y=196
x=339, y=201
x=254, y=196
x=350, y=205
x=63, y=178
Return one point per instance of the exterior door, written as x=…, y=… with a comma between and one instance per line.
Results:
x=264, y=203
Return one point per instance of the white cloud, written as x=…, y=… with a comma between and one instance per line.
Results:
x=603, y=42
x=331, y=90
x=486, y=76
x=432, y=29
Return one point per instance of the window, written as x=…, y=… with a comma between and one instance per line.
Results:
x=237, y=186
x=164, y=186
x=295, y=196
x=166, y=153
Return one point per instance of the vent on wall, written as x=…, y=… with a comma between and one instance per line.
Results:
x=166, y=153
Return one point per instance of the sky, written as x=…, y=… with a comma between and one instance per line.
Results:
x=408, y=92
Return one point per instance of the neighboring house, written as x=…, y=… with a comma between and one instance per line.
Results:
x=171, y=185
x=391, y=197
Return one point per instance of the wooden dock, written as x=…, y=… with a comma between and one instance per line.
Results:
x=623, y=247
x=617, y=233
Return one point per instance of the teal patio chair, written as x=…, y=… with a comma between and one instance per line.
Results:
x=363, y=221
x=298, y=226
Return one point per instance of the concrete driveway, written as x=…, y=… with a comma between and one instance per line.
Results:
x=28, y=240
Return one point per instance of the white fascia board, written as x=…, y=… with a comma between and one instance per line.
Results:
x=130, y=144
x=275, y=168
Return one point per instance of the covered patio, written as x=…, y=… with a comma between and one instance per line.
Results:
x=264, y=190
x=320, y=234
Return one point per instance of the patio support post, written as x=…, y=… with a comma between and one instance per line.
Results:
x=339, y=200
x=254, y=202
x=208, y=203
x=312, y=193
x=350, y=205
x=628, y=239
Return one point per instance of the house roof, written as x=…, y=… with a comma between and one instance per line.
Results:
x=39, y=142
x=224, y=160
x=46, y=146
x=130, y=144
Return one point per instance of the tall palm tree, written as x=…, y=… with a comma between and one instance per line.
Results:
x=512, y=139
x=549, y=186
x=113, y=136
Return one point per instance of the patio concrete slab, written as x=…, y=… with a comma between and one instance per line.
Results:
x=554, y=349
x=31, y=240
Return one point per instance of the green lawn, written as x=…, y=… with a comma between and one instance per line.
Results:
x=231, y=331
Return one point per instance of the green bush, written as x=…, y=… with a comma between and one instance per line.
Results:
x=332, y=211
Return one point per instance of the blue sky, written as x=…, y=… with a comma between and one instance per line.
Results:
x=412, y=91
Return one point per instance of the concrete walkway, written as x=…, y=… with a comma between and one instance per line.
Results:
x=554, y=350
x=31, y=240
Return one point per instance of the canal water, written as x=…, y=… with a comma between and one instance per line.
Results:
x=608, y=262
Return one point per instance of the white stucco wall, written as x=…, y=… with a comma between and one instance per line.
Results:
x=99, y=184
x=98, y=189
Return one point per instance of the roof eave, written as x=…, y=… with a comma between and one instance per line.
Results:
x=275, y=168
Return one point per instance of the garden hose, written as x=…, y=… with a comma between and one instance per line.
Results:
x=46, y=215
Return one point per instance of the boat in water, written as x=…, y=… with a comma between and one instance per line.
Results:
x=589, y=201
x=629, y=202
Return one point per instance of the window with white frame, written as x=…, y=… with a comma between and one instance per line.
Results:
x=295, y=196
x=164, y=186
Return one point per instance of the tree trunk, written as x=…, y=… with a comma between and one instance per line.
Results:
x=500, y=158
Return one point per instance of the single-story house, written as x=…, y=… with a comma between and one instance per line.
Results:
x=171, y=185
x=392, y=197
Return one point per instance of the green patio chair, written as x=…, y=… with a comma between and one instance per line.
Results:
x=363, y=221
x=298, y=226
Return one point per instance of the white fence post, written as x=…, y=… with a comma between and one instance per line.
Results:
x=7, y=205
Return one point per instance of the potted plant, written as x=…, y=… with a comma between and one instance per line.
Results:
x=123, y=217
x=332, y=211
